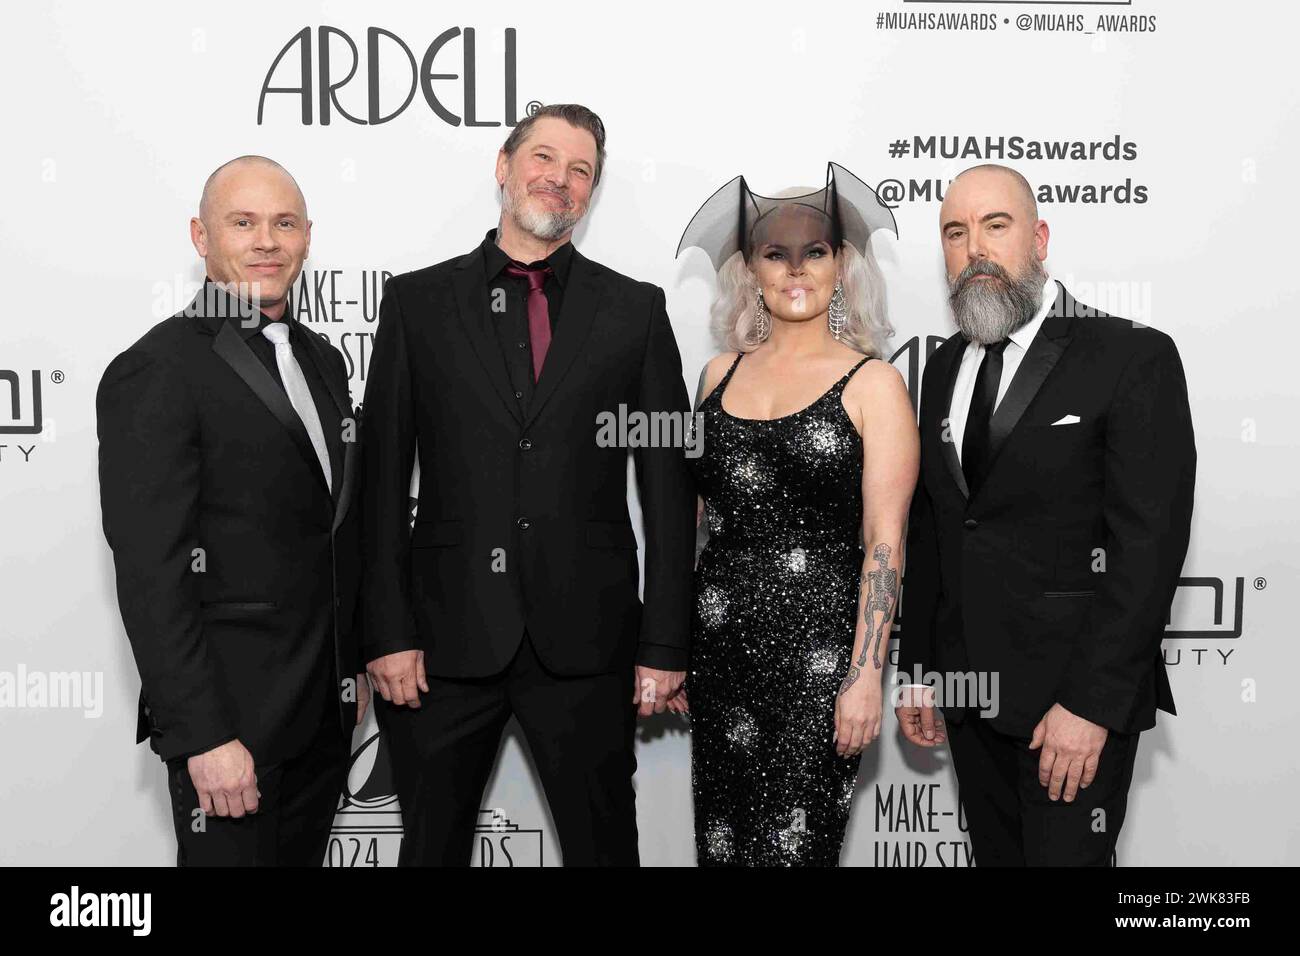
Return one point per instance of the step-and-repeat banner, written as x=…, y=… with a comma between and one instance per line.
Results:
x=1160, y=138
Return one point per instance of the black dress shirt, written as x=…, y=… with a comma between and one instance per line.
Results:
x=511, y=325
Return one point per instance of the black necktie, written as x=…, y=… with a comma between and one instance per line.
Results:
x=975, y=439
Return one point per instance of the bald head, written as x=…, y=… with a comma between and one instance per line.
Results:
x=983, y=177
x=262, y=165
x=252, y=230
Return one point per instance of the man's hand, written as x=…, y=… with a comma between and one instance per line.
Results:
x=1071, y=751
x=399, y=677
x=918, y=716
x=654, y=689
x=225, y=781
x=363, y=697
x=858, y=716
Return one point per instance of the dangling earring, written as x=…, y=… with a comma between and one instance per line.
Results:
x=837, y=316
x=762, y=318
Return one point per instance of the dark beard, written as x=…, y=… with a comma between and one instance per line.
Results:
x=988, y=310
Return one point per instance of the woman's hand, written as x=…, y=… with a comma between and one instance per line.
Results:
x=859, y=709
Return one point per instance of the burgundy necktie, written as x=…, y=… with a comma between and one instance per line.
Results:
x=539, y=316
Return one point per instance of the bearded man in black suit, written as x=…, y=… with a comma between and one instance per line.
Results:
x=1046, y=537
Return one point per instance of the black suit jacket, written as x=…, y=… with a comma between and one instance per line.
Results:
x=522, y=519
x=200, y=448
x=1060, y=572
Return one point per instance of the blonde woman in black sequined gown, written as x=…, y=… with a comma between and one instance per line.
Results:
x=810, y=448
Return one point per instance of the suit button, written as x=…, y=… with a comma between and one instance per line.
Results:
x=525, y=444
x=971, y=523
x=522, y=345
x=523, y=523
x=519, y=394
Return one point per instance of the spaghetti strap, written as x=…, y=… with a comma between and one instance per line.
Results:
x=849, y=374
x=716, y=392
x=727, y=378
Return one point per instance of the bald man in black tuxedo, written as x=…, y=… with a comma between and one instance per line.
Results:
x=227, y=466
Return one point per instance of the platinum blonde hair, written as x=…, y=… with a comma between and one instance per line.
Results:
x=867, y=329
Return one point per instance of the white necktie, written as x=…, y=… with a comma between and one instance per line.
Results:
x=299, y=394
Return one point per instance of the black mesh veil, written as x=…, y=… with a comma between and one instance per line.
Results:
x=725, y=223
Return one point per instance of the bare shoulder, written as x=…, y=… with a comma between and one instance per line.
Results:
x=877, y=400
x=875, y=382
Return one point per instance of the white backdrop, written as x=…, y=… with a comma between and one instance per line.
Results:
x=115, y=117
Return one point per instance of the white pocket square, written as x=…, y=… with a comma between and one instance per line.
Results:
x=1068, y=420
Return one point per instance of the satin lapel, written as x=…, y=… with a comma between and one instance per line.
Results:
x=343, y=401
x=1033, y=371
x=472, y=303
x=1044, y=352
x=230, y=346
x=948, y=446
x=577, y=315
x=351, y=452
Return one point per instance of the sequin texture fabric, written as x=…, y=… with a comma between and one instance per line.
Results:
x=776, y=595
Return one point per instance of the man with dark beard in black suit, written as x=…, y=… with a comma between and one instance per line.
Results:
x=1045, y=541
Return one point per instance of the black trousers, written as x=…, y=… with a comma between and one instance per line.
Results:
x=294, y=815
x=1011, y=819
x=580, y=731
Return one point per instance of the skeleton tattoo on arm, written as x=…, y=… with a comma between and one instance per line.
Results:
x=882, y=597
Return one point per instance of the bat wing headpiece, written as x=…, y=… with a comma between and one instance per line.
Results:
x=725, y=223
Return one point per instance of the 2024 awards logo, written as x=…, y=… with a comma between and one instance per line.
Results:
x=368, y=825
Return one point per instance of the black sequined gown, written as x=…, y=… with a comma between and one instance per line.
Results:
x=776, y=597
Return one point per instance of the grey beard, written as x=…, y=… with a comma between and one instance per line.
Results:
x=988, y=312
x=541, y=224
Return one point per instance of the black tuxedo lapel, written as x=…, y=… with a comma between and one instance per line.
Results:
x=571, y=329
x=944, y=425
x=472, y=304
x=231, y=346
x=1044, y=352
x=338, y=389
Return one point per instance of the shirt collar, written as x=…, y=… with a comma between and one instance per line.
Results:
x=1025, y=334
x=495, y=258
x=239, y=323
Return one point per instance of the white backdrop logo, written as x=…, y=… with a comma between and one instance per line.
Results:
x=323, y=75
x=19, y=417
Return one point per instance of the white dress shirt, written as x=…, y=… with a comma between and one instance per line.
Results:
x=964, y=388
